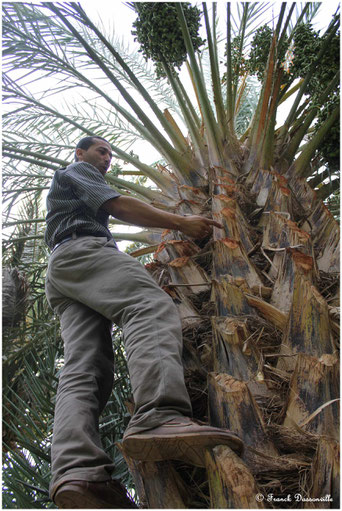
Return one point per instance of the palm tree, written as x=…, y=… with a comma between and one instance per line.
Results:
x=258, y=300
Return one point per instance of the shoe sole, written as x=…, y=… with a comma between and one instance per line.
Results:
x=187, y=447
x=70, y=499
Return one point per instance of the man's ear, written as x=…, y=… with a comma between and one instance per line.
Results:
x=79, y=153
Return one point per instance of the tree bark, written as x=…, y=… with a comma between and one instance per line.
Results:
x=313, y=395
x=232, y=486
x=308, y=329
x=232, y=406
x=325, y=476
x=158, y=484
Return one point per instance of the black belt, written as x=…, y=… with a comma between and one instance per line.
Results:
x=76, y=235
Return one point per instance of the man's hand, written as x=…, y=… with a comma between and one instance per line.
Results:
x=198, y=226
x=136, y=212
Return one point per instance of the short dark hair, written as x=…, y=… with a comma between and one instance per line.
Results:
x=86, y=142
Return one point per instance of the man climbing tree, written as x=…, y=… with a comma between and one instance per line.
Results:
x=91, y=284
x=258, y=297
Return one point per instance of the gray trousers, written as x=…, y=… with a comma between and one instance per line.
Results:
x=90, y=285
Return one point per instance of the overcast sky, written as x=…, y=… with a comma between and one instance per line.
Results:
x=117, y=15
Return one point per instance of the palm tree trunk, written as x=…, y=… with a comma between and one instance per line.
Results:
x=231, y=301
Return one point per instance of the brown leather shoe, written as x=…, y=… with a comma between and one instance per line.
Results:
x=182, y=440
x=93, y=495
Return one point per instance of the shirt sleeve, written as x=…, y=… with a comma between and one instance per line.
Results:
x=89, y=185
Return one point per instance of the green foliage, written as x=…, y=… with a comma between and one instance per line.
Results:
x=247, y=106
x=260, y=48
x=158, y=31
x=330, y=146
x=115, y=170
x=28, y=417
x=333, y=203
x=301, y=54
x=307, y=44
x=144, y=259
x=27, y=423
x=239, y=64
x=32, y=356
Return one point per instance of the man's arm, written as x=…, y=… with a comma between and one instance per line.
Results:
x=138, y=213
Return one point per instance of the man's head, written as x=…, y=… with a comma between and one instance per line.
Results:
x=95, y=150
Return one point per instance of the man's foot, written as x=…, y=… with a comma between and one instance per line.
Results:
x=93, y=495
x=182, y=440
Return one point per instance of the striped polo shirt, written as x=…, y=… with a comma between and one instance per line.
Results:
x=74, y=200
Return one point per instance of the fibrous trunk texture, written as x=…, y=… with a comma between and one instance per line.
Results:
x=260, y=345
